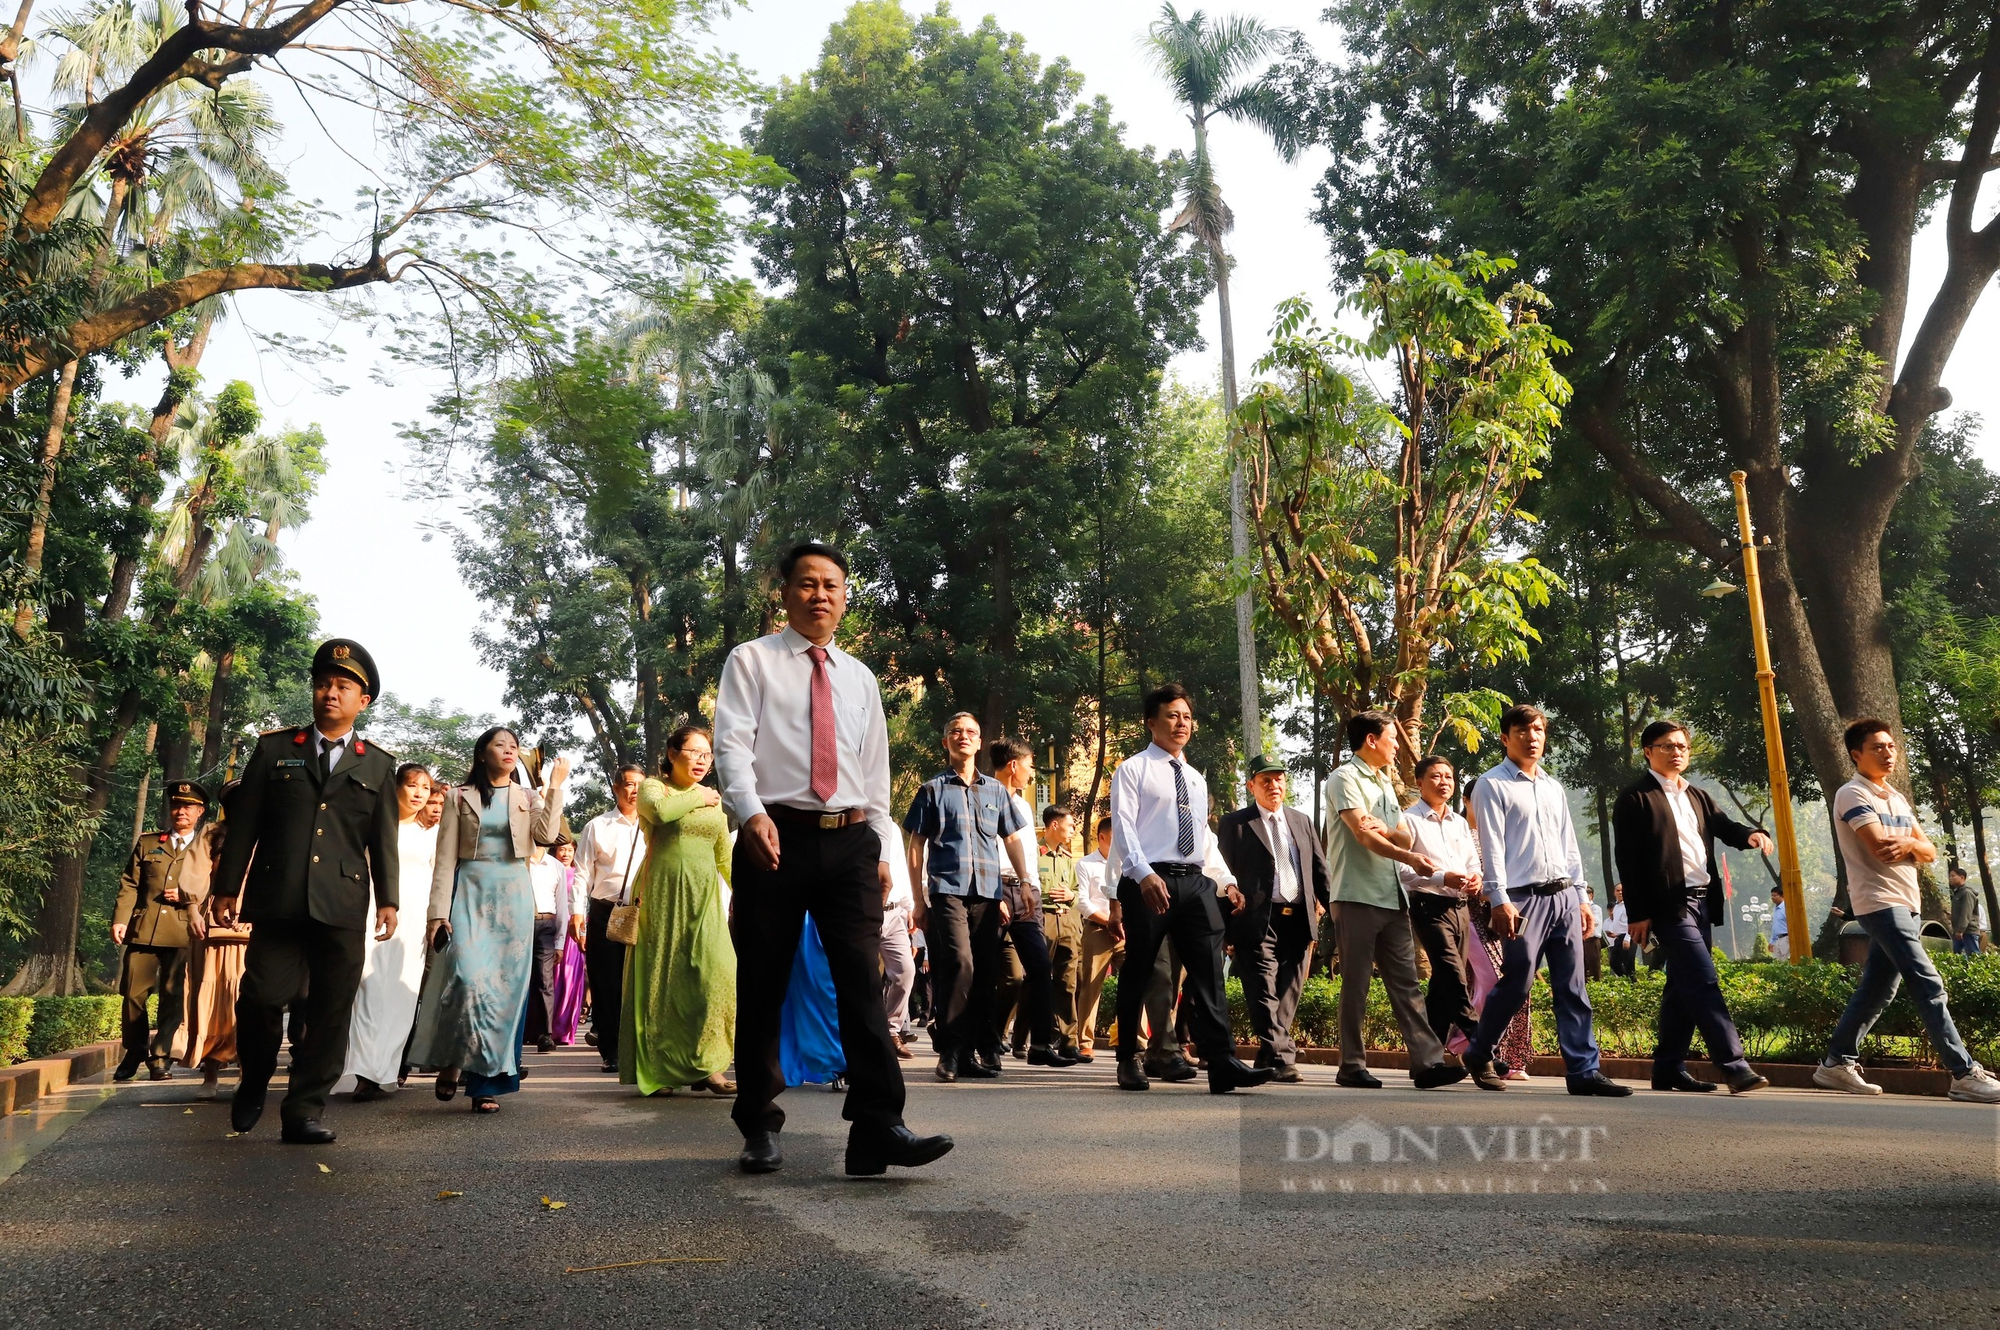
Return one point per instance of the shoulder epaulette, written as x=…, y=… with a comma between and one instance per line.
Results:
x=282, y=729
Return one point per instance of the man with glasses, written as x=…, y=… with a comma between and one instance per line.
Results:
x=1666, y=831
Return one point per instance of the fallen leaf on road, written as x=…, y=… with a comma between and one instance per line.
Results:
x=231, y=1135
x=188, y=1112
x=447, y=1195
x=554, y=1205
x=657, y=1260
x=324, y=1169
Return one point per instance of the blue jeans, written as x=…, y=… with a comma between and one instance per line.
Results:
x=1895, y=953
x=1551, y=927
x=1965, y=944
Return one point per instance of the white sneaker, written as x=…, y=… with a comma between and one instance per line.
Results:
x=1844, y=1077
x=1976, y=1087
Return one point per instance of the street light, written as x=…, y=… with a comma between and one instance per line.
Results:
x=1774, y=744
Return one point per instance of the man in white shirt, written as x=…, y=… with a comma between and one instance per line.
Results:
x=1617, y=933
x=1438, y=913
x=899, y=962
x=802, y=752
x=607, y=864
x=548, y=878
x=1103, y=938
x=1172, y=883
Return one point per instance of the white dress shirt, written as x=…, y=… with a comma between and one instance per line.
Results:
x=1616, y=926
x=1145, y=826
x=1091, y=896
x=1694, y=855
x=1446, y=838
x=181, y=839
x=548, y=877
x=1525, y=834
x=763, y=733
x=321, y=743
x=1284, y=853
x=608, y=856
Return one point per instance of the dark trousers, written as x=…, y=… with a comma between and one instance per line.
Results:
x=1037, y=1012
x=1193, y=920
x=963, y=935
x=1622, y=956
x=1693, y=997
x=1008, y=975
x=283, y=956
x=604, y=966
x=1550, y=927
x=144, y=971
x=1273, y=972
x=542, y=979
x=833, y=875
x=1444, y=930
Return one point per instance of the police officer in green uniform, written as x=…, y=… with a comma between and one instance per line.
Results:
x=312, y=825
x=1062, y=921
x=157, y=916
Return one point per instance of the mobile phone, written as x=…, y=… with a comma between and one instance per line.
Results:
x=443, y=939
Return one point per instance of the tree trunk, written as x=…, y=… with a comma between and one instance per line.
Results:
x=1247, y=682
x=1978, y=816
x=145, y=786
x=218, y=703
x=51, y=968
x=38, y=525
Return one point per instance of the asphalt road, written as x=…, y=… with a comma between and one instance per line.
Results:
x=1065, y=1204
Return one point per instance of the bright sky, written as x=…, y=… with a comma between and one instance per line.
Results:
x=364, y=555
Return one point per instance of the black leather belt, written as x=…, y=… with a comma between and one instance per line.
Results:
x=1286, y=910
x=819, y=819
x=1178, y=870
x=1554, y=888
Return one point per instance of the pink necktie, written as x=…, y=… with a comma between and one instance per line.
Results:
x=826, y=757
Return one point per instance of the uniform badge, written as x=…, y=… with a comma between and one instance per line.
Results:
x=299, y=738
x=360, y=747
x=163, y=838
x=340, y=653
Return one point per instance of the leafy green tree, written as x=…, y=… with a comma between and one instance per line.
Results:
x=979, y=296
x=1724, y=200
x=1422, y=488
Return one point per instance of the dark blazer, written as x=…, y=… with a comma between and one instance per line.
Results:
x=303, y=848
x=1648, y=850
x=1246, y=847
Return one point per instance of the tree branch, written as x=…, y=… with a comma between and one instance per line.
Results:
x=1688, y=521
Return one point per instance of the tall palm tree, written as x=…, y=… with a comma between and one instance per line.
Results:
x=1206, y=64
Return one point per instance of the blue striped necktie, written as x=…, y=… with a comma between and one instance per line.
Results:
x=1183, y=815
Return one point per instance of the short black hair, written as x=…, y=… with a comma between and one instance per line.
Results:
x=1857, y=733
x=1659, y=730
x=629, y=766
x=1778, y=891
x=1004, y=750
x=1052, y=812
x=1158, y=700
x=404, y=772
x=806, y=550
x=1103, y=825
x=1433, y=760
x=1956, y=870
x=1520, y=716
x=1365, y=725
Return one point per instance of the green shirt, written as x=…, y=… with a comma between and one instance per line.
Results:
x=1359, y=874
x=1058, y=870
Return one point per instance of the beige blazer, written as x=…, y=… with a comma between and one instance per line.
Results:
x=458, y=833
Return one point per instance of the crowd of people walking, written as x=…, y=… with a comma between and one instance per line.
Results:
x=781, y=922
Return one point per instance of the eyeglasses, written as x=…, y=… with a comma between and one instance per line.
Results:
x=1671, y=748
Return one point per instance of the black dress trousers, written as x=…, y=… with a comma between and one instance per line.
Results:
x=1193, y=920
x=283, y=956
x=832, y=875
x=604, y=964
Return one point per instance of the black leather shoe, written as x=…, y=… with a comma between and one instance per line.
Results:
x=1227, y=1074
x=307, y=1133
x=1680, y=1079
x=1746, y=1082
x=1358, y=1078
x=1285, y=1075
x=1131, y=1076
x=157, y=1069
x=1597, y=1083
x=1049, y=1057
x=128, y=1067
x=947, y=1067
x=1180, y=1069
x=989, y=1060
x=611, y=1067
x=246, y=1106
x=1485, y=1073
x=974, y=1069
x=546, y=1044
x=761, y=1153
x=873, y=1153
x=1082, y=1056
x=1437, y=1076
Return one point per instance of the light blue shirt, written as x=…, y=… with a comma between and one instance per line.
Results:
x=1525, y=834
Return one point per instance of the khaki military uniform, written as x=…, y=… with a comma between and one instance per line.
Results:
x=157, y=934
x=1063, y=923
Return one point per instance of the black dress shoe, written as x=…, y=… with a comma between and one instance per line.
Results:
x=1180, y=1069
x=1437, y=1076
x=973, y=1069
x=1358, y=1078
x=1131, y=1076
x=947, y=1067
x=546, y=1044
x=1597, y=1083
x=1049, y=1057
x=1227, y=1074
x=990, y=1059
x=158, y=1069
x=1680, y=1079
x=1082, y=1056
x=1486, y=1073
x=874, y=1152
x=128, y=1067
x=1285, y=1075
x=246, y=1106
x=761, y=1153
x=307, y=1133
x=1747, y=1081
x=611, y=1067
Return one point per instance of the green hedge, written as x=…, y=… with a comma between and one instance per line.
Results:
x=16, y=1015
x=1784, y=1012
x=66, y=1022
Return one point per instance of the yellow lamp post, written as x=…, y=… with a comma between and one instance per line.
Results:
x=1774, y=744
